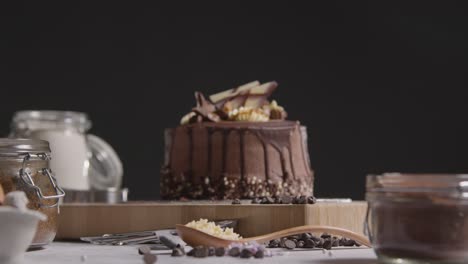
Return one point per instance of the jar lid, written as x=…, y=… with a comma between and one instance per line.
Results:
x=10, y=146
x=45, y=119
x=456, y=185
x=105, y=168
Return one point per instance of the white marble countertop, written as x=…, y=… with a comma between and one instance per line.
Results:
x=75, y=252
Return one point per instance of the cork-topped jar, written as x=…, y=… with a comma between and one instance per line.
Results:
x=24, y=166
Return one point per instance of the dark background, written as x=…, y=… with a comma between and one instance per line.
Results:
x=381, y=87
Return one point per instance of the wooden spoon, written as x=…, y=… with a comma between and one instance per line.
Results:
x=195, y=237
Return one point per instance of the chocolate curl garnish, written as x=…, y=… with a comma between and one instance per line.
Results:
x=205, y=108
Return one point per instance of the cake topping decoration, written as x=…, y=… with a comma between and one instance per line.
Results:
x=248, y=102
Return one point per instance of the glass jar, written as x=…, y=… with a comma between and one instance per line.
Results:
x=24, y=166
x=81, y=161
x=418, y=218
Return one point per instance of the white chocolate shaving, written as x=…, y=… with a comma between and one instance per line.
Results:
x=212, y=229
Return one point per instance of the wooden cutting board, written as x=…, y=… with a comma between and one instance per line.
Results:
x=77, y=220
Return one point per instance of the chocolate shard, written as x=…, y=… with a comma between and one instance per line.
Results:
x=205, y=108
x=223, y=96
x=258, y=95
x=235, y=102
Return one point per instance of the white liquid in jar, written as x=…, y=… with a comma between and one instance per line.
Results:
x=69, y=157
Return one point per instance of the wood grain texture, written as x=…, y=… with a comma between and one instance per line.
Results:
x=77, y=220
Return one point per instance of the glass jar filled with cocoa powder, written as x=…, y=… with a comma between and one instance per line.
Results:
x=418, y=218
x=24, y=166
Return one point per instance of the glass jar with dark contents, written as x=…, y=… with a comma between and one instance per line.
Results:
x=418, y=218
x=24, y=166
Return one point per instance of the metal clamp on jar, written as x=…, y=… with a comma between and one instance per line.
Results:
x=24, y=166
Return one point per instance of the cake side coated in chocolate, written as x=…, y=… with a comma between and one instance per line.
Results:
x=228, y=160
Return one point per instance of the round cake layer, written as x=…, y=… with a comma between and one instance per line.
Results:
x=228, y=160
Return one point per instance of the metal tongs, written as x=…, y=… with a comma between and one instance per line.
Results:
x=121, y=239
x=141, y=237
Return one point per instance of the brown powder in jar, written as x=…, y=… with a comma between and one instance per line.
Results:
x=9, y=179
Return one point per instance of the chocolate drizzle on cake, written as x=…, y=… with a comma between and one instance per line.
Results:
x=249, y=179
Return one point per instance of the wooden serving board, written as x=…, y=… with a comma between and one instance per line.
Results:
x=77, y=220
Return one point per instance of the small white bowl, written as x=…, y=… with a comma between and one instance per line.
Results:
x=17, y=230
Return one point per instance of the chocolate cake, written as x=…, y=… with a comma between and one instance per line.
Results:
x=237, y=144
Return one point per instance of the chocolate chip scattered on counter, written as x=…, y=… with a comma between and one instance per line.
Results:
x=341, y=241
x=246, y=253
x=335, y=242
x=144, y=250
x=327, y=244
x=319, y=243
x=236, y=201
x=167, y=242
x=211, y=251
x=289, y=244
x=309, y=243
x=178, y=252
x=352, y=242
x=201, y=252
x=150, y=258
x=315, y=239
x=219, y=252
x=308, y=240
x=259, y=254
x=234, y=252
x=274, y=243
x=300, y=243
x=281, y=244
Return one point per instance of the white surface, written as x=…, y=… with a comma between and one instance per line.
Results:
x=64, y=252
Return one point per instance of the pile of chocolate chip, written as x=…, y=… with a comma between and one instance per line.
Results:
x=285, y=199
x=308, y=240
x=235, y=250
